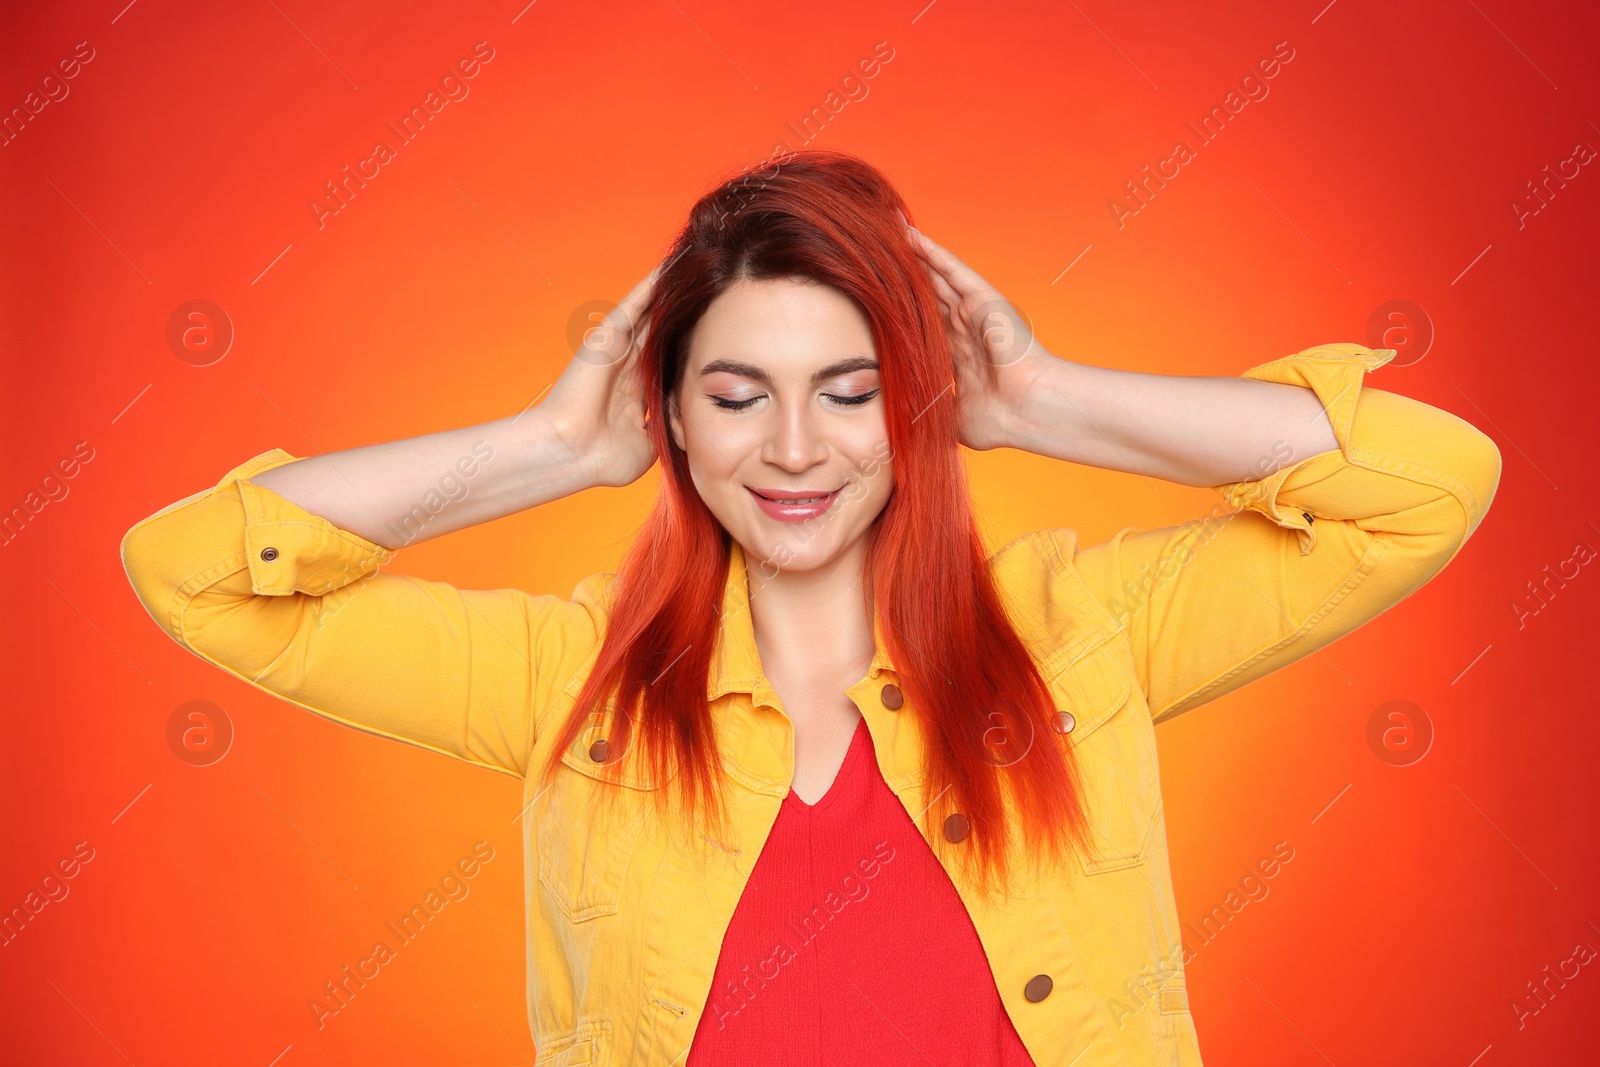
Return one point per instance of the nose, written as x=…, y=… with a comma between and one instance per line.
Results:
x=795, y=442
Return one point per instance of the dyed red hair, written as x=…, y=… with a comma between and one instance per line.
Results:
x=980, y=700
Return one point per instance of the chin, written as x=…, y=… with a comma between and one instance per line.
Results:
x=768, y=555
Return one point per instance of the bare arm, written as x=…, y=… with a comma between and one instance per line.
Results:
x=1349, y=499
x=402, y=492
x=1192, y=430
x=275, y=573
x=1203, y=431
x=588, y=432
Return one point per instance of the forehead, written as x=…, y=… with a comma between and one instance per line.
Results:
x=779, y=324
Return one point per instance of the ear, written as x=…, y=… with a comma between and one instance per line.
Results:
x=675, y=422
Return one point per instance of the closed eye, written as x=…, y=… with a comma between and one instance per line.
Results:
x=739, y=405
x=852, y=401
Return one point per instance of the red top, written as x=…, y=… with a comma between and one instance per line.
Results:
x=850, y=946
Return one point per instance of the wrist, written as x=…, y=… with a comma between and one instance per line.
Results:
x=552, y=459
x=1040, y=412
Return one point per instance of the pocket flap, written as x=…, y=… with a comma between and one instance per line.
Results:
x=571, y=1056
x=629, y=768
x=1096, y=684
x=591, y=1048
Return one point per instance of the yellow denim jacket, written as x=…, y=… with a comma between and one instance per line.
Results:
x=625, y=925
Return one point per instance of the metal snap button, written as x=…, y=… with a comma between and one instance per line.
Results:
x=1307, y=516
x=269, y=554
x=600, y=750
x=1038, y=988
x=1063, y=722
x=957, y=827
x=893, y=699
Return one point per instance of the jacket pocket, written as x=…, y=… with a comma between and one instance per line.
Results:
x=591, y=1047
x=588, y=828
x=1113, y=741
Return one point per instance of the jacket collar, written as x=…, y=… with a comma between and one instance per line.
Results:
x=754, y=749
x=735, y=661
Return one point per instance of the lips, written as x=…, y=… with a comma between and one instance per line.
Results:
x=794, y=496
x=793, y=505
x=794, y=499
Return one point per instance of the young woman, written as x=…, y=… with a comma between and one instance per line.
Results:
x=814, y=778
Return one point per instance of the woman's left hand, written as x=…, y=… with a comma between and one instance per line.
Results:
x=997, y=358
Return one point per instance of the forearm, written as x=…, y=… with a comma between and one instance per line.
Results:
x=1198, y=431
x=402, y=492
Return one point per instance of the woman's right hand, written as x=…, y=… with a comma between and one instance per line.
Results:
x=597, y=406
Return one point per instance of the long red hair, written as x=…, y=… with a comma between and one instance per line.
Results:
x=984, y=709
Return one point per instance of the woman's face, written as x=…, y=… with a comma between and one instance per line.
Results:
x=781, y=398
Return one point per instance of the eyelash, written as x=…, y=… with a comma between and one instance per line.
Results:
x=848, y=401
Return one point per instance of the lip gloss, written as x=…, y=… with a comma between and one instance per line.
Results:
x=789, y=511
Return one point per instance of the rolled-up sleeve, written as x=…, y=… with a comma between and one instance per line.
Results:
x=294, y=605
x=1309, y=552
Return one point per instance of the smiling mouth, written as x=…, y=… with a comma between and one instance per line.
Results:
x=792, y=498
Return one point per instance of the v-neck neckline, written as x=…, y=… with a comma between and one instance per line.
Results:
x=845, y=767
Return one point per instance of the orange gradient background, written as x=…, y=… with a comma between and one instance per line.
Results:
x=1381, y=166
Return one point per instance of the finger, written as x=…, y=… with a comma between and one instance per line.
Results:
x=938, y=270
x=962, y=278
x=630, y=305
x=640, y=335
x=641, y=291
x=621, y=330
x=948, y=297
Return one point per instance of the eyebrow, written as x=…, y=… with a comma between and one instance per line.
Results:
x=750, y=370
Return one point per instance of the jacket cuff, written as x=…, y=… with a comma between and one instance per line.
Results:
x=288, y=549
x=1334, y=372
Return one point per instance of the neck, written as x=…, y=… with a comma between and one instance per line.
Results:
x=814, y=624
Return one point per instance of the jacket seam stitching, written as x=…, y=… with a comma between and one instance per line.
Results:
x=1060, y=659
x=180, y=605
x=1363, y=568
x=466, y=711
x=1444, y=481
x=537, y=713
x=226, y=567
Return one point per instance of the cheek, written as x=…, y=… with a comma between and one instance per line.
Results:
x=714, y=454
x=874, y=477
x=874, y=456
x=879, y=488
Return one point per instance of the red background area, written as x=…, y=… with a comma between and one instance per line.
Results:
x=1382, y=166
